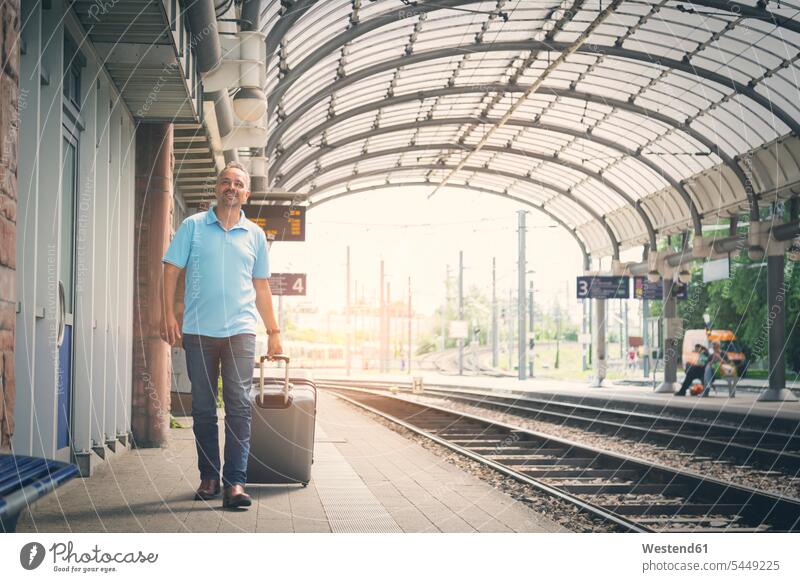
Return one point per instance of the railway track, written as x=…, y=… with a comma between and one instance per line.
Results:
x=447, y=363
x=736, y=444
x=632, y=494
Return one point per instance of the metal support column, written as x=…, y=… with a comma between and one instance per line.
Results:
x=444, y=308
x=626, y=328
x=530, y=328
x=381, y=325
x=409, y=325
x=776, y=329
x=495, y=346
x=646, y=349
x=584, y=331
x=388, y=328
x=522, y=334
x=671, y=334
x=510, y=320
x=599, y=355
x=349, y=332
x=460, y=310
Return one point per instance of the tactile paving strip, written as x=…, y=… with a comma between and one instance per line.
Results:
x=349, y=504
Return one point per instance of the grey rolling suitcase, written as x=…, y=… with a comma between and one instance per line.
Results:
x=284, y=410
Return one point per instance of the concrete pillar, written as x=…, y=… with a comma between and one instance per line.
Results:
x=599, y=357
x=152, y=356
x=776, y=329
x=670, y=342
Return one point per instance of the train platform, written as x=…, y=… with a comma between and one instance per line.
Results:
x=366, y=478
x=635, y=397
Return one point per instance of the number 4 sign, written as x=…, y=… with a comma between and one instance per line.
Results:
x=288, y=283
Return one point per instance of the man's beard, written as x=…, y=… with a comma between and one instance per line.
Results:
x=230, y=201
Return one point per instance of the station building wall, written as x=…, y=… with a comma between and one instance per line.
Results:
x=74, y=245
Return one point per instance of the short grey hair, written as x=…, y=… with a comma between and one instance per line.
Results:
x=234, y=165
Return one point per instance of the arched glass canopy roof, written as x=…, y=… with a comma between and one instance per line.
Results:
x=623, y=120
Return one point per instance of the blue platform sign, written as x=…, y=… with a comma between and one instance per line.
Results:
x=644, y=289
x=604, y=287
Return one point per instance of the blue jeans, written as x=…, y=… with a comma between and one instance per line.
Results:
x=204, y=356
x=708, y=380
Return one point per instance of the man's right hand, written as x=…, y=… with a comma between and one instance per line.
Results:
x=170, y=330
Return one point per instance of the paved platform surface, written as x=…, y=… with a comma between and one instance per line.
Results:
x=366, y=478
x=745, y=403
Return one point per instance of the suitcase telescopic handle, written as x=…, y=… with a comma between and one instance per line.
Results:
x=285, y=358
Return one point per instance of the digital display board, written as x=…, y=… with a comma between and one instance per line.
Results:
x=644, y=289
x=280, y=223
x=603, y=287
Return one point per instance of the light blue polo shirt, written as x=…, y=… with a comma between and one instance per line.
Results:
x=220, y=267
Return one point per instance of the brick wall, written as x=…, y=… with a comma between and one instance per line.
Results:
x=9, y=124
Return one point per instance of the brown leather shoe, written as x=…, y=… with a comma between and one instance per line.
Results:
x=234, y=496
x=209, y=488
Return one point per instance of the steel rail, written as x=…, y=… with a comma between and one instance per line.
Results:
x=618, y=520
x=754, y=507
x=703, y=444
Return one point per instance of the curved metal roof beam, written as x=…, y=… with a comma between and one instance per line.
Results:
x=393, y=16
x=619, y=52
x=293, y=13
x=363, y=27
x=477, y=170
x=754, y=12
x=501, y=87
x=648, y=225
x=572, y=231
x=657, y=116
x=296, y=114
x=695, y=216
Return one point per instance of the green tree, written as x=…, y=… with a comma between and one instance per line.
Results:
x=477, y=310
x=740, y=304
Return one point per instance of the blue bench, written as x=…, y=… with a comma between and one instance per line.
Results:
x=23, y=480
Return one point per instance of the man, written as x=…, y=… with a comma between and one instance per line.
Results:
x=715, y=359
x=695, y=369
x=226, y=265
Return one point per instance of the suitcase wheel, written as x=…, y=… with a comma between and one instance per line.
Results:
x=305, y=484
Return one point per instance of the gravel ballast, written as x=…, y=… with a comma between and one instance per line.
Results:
x=770, y=481
x=563, y=513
